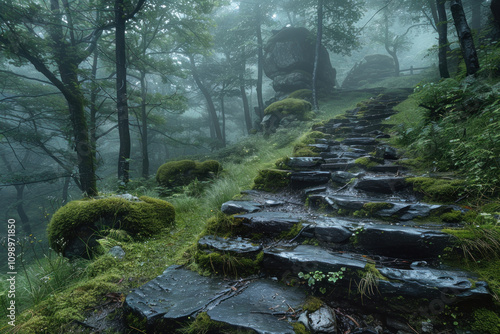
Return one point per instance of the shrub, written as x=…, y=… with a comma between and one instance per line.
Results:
x=180, y=173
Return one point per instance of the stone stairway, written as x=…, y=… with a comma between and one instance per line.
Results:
x=348, y=213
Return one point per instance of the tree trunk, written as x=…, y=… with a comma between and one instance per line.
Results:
x=319, y=36
x=393, y=52
x=465, y=36
x=94, y=91
x=495, y=10
x=260, y=61
x=442, y=27
x=210, y=103
x=244, y=98
x=25, y=220
x=434, y=13
x=67, y=181
x=144, y=129
x=121, y=92
x=223, y=114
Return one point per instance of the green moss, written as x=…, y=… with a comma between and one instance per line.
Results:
x=290, y=106
x=180, y=173
x=93, y=217
x=454, y=216
x=294, y=231
x=303, y=94
x=103, y=264
x=311, y=136
x=366, y=162
x=221, y=225
x=203, y=324
x=228, y=263
x=282, y=163
x=302, y=150
x=271, y=180
x=134, y=321
x=373, y=207
x=312, y=304
x=371, y=268
x=486, y=321
x=437, y=189
x=299, y=328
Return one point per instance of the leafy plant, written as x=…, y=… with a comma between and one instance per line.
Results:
x=317, y=276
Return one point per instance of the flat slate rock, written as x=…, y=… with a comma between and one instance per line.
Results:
x=269, y=222
x=254, y=307
x=382, y=184
x=236, y=245
x=234, y=207
x=360, y=141
x=174, y=296
x=309, y=178
x=304, y=162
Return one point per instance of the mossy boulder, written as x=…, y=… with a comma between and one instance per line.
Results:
x=272, y=180
x=183, y=172
x=290, y=106
x=75, y=228
x=303, y=94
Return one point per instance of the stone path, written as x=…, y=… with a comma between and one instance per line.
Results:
x=349, y=212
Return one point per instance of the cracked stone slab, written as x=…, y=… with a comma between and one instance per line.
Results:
x=236, y=245
x=259, y=307
x=233, y=207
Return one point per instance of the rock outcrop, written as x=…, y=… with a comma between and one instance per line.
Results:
x=289, y=61
x=371, y=69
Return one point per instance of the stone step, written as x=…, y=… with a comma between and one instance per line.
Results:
x=376, y=207
x=363, y=141
x=178, y=296
x=382, y=184
x=420, y=283
x=308, y=178
x=298, y=163
x=378, y=116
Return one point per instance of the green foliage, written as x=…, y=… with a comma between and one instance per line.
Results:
x=179, y=173
x=228, y=263
x=486, y=321
x=290, y=106
x=302, y=150
x=477, y=242
x=221, y=225
x=271, y=180
x=317, y=276
x=143, y=218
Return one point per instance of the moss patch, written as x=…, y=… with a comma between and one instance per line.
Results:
x=311, y=136
x=290, y=106
x=366, y=162
x=312, y=304
x=299, y=328
x=454, y=216
x=85, y=218
x=272, y=180
x=302, y=150
x=179, y=173
x=228, y=264
x=440, y=190
x=294, y=231
x=221, y=225
x=373, y=207
x=486, y=321
x=303, y=94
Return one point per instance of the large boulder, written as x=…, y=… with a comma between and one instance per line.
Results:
x=289, y=62
x=75, y=228
x=371, y=69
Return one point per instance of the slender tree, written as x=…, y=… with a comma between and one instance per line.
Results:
x=442, y=27
x=319, y=37
x=465, y=37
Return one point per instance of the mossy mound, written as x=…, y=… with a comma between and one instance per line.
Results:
x=303, y=94
x=290, y=106
x=271, y=180
x=486, y=321
x=228, y=263
x=182, y=172
x=439, y=190
x=75, y=227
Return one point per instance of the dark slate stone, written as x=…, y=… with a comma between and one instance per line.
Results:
x=234, y=245
x=420, y=210
x=386, y=152
x=384, y=185
x=269, y=222
x=382, y=136
x=342, y=177
x=308, y=178
x=328, y=155
x=338, y=166
x=319, y=147
x=254, y=307
x=173, y=296
x=369, y=128
x=386, y=168
x=360, y=141
x=307, y=258
x=117, y=252
x=332, y=232
x=233, y=207
x=338, y=121
x=402, y=241
x=430, y=283
x=339, y=160
x=323, y=320
x=304, y=162
x=314, y=190
x=378, y=116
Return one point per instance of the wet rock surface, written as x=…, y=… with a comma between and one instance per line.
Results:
x=336, y=215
